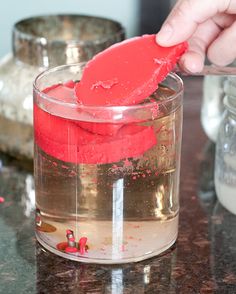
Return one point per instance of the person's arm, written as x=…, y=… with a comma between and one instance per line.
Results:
x=209, y=26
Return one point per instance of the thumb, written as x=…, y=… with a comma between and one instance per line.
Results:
x=185, y=18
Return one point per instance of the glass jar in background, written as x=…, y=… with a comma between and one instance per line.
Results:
x=106, y=177
x=225, y=161
x=212, y=105
x=39, y=43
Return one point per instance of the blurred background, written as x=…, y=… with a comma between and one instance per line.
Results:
x=137, y=16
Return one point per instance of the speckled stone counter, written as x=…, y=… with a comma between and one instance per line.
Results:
x=202, y=261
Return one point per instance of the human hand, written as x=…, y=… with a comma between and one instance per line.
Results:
x=209, y=26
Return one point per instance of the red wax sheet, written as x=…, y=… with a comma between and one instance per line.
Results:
x=108, y=129
x=65, y=93
x=65, y=140
x=128, y=72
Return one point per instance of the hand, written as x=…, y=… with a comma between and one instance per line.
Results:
x=209, y=26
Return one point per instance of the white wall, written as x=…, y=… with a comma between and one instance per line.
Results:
x=11, y=11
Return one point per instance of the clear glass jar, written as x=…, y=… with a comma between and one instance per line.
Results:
x=212, y=105
x=106, y=176
x=225, y=161
x=39, y=43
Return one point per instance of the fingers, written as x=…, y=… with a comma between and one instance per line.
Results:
x=201, y=22
x=193, y=60
x=225, y=43
x=224, y=20
x=185, y=18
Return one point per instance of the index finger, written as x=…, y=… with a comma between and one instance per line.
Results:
x=187, y=15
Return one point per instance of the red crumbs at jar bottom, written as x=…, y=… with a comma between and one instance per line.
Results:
x=128, y=72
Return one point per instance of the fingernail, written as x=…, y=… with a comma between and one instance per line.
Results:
x=164, y=34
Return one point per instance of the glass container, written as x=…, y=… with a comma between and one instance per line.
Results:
x=106, y=177
x=212, y=105
x=39, y=43
x=225, y=161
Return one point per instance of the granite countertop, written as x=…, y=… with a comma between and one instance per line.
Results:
x=202, y=261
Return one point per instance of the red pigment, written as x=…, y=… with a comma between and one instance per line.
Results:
x=82, y=245
x=62, y=246
x=108, y=129
x=71, y=250
x=64, y=93
x=122, y=248
x=2, y=199
x=70, y=84
x=124, y=74
x=65, y=140
x=127, y=72
x=127, y=163
x=65, y=167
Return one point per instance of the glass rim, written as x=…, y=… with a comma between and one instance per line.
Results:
x=17, y=29
x=119, y=108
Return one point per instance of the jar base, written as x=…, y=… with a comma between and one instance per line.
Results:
x=131, y=242
x=105, y=261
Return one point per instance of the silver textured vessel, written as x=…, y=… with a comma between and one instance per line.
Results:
x=39, y=43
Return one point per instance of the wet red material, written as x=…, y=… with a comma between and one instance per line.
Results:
x=127, y=72
x=124, y=74
x=82, y=245
x=65, y=140
x=71, y=249
x=62, y=246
